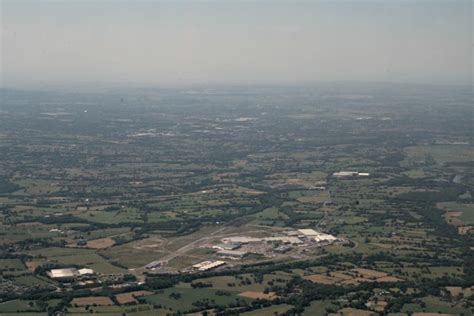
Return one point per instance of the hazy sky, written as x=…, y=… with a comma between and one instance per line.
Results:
x=228, y=41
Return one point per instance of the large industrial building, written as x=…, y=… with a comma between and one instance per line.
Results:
x=208, y=265
x=69, y=273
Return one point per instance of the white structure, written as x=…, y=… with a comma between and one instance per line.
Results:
x=324, y=239
x=69, y=273
x=318, y=237
x=363, y=174
x=85, y=271
x=62, y=273
x=208, y=265
x=308, y=232
x=345, y=174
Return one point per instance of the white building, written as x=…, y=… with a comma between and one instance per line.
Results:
x=69, y=273
x=308, y=232
x=85, y=271
x=62, y=273
x=208, y=265
x=345, y=174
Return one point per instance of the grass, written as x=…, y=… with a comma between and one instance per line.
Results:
x=271, y=213
x=11, y=265
x=31, y=281
x=413, y=273
x=77, y=256
x=132, y=257
x=467, y=216
x=243, y=282
x=318, y=308
x=441, y=153
x=269, y=311
x=18, y=306
x=188, y=296
x=435, y=305
x=118, y=217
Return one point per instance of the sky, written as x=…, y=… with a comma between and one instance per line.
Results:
x=235, y=42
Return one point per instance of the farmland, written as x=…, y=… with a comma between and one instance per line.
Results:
x=237, y=200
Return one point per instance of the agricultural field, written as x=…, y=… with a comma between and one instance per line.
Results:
x=127, y=202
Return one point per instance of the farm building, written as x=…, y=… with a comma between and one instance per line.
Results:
x=85, y=271
x=62, y=274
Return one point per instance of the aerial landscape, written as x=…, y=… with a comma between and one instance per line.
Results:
x=344, y=198
x=245, y=206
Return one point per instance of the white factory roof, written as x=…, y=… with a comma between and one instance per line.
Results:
x=308, y=232
x=85, y=271
x=207, y=265
x=324, y=237
x=62, y=273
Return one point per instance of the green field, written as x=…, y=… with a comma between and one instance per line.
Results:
x=269, y=311
x=189, y=296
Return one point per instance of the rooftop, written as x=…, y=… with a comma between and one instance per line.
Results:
x=62, y=273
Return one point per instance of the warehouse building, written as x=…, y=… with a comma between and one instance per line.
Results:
x=208, y=265
x=62, y=274
x=69, y=273
x=308, y=232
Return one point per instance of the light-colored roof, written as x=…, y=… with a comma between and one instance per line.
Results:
x=308, y=232
x=62, y=273
x=206, y=265
x=345, y=173
x=324, y=237
x=85, y=271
